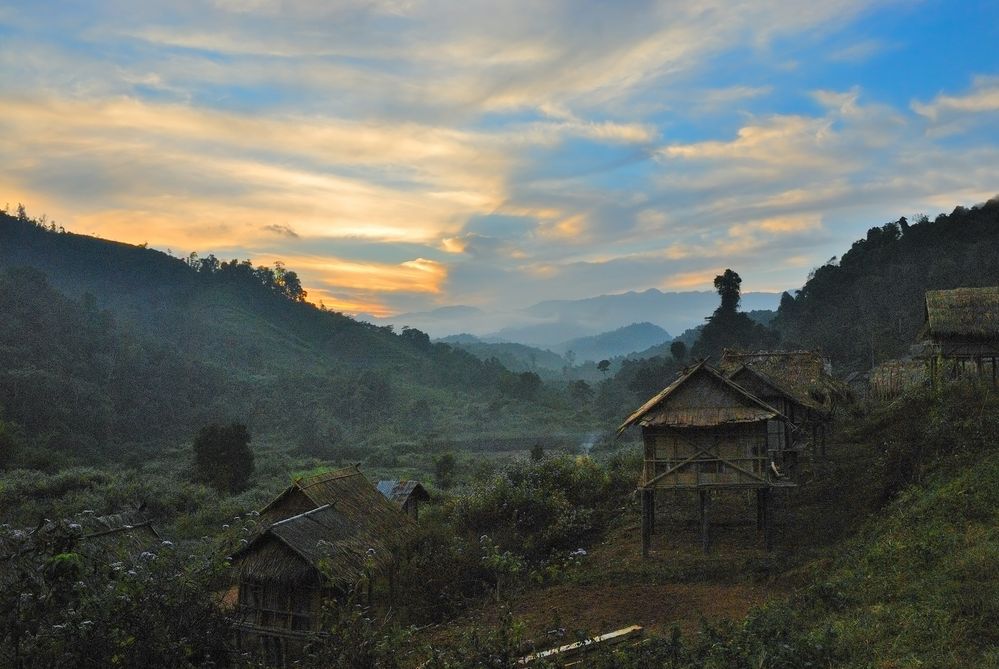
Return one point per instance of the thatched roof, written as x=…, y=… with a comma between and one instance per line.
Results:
x=400, y=492
x=760, y=385
x=963, y=313
x=322, y=541
x=106, y=538
x=701, y=397
x=121, y=533
x=802, y=374
x=348, y=490
x=351, y=529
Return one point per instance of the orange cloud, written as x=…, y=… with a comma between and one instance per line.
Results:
x=691, y=280
x=336, y=302
x=413, y=276
x=776, y=226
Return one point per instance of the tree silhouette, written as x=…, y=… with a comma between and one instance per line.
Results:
x=727, y=327
x=679, y=350
x=728, y=286
x=222, y=456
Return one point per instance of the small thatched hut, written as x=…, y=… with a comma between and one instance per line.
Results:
x=704, y=432
x=324, y=536
x=407, y=495
x=962, y=332
x=796, y=382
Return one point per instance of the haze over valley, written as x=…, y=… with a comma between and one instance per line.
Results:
x=422, y=334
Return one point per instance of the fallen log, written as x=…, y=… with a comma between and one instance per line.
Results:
x=570, y=651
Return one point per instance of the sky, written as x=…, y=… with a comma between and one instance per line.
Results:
x=404, y=155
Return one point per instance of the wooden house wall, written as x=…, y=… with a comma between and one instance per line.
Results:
x=279, y=605
x=716, y=455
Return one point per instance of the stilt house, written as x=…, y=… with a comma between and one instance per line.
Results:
x=323, y=537
x=962, y=333
x=704, y=432
x=796, y=383
x=407, y=495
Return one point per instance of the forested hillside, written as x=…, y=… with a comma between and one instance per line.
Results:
x=105, y=344
x=867, y=306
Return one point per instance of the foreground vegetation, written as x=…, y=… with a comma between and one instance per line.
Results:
x=906, y=581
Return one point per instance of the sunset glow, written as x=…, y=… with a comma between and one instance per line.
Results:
x=403, y=156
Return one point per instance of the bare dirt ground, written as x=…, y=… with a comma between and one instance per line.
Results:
x=677, y=586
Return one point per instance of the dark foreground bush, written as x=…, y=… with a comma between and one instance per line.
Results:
x=71, y=601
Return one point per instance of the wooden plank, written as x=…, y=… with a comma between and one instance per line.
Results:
x=573, y=650
x=768, y=520
x=646, y=524
x=705, y=496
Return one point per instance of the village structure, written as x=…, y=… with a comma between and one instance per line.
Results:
x=744, y=426
x=959, y=340
x=407, y=495
x=961, y=335
x=324, y=537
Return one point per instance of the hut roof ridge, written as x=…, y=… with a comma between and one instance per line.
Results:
x=702, y=365
x=971, y=312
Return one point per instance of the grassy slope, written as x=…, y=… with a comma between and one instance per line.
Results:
x=910, y=583
x=918, y=586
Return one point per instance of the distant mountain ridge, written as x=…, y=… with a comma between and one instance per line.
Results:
x=622, y=341
x=550, y=323
x=606, y=345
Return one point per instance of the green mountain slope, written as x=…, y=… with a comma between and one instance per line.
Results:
x=224, y=343
x=867, y=306
x=916, y=585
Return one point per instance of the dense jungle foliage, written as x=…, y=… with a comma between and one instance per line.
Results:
x=110, y=351
x=910, y=584
x=867, y=306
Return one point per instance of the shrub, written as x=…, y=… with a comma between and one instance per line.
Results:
x=222, y=456
x=65, y=602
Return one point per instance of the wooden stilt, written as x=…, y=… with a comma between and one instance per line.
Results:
x=646, y=523
x=705, y=521
x=768, y=519
x=652, y=511
x=760, y=501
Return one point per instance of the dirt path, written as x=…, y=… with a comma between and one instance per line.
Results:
x=677, y=586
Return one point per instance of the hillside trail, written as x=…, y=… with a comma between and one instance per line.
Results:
x=676, y=586
x=679, y=585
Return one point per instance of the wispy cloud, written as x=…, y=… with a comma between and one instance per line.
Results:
x=983, y=97
x=484, y=152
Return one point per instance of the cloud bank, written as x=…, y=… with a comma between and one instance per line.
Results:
x=403, y=155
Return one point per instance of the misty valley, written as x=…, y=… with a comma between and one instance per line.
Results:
x=201, y=467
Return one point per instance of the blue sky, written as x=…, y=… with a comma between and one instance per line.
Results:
x=405, y=155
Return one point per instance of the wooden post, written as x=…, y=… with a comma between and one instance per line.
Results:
x=993, y=370
x=761, y=497
x=646, y=522
x=705, y=522
x=768, y=519
x=652, y=511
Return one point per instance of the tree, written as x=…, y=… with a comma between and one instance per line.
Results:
x=444, y=467
x=11, y=442
x=537, y=452
x=679, y=350
x=580, y=392
x=603, y=366
x=222, y=456
x=727, y=327
x=728, y=286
